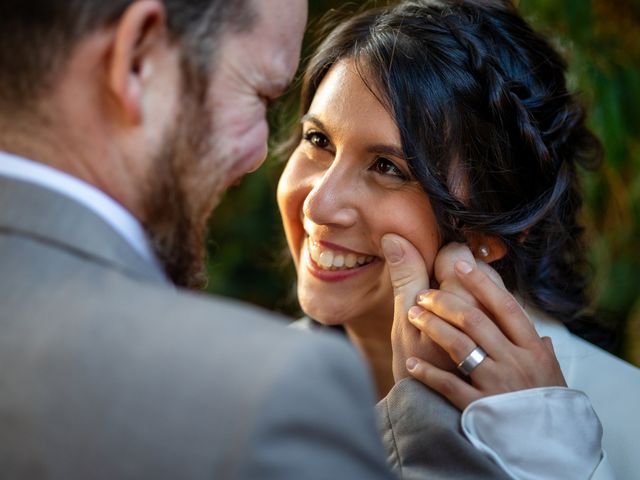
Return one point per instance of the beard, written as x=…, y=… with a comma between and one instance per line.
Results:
x=185, y=188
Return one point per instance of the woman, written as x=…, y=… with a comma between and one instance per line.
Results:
x=447, y=121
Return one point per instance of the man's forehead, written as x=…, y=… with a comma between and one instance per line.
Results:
x=270, y=52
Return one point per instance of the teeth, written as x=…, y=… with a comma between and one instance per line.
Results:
x=326, y=259
x=315, y=252
x=330, y=260
x=350, y=260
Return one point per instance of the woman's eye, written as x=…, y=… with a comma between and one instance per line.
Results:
x=385, y=166
x=317, y=139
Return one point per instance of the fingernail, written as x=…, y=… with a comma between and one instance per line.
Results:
x=422, y=296
x=411, y=363
x=392, y=249
x=463, y=267
x=414, y=312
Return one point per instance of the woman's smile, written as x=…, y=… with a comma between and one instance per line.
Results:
x=344, y=187
x=332, y=263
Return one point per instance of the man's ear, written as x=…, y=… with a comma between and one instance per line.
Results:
x=487, y=248
x=140, y=28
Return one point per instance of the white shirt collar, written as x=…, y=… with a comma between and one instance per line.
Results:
x=87, y=195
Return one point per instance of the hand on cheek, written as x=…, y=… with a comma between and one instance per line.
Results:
x=409, y=276
x=517, y=358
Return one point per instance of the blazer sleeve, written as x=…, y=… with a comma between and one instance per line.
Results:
x=317, y=421
x=423, y=439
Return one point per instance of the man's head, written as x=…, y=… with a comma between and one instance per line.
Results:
x=159, y=103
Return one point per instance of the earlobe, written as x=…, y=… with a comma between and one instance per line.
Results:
x=487, y=248
x=138, y=30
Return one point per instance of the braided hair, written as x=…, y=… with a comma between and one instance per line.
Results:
x=488, y=128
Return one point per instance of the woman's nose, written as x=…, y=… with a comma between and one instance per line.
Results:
x=333, y=198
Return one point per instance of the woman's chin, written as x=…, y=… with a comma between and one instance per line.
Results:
x=328, y=322
x=324, y=316
x=325, y=319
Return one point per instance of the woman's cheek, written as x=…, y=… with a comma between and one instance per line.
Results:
x=290, y=196
x=413, y=219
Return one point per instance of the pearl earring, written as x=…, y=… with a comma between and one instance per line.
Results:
x=483, y=251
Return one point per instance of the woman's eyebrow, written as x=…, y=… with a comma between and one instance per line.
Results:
x=313, y=119
x=382, y=149
x=386, y=150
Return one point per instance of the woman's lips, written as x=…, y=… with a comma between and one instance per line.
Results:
x=334, y=264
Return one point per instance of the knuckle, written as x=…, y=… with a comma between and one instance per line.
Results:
x=429, y=320
x=511, y=306
x=479, y=278
x=471, y=320
x=539, y=354
x=429, y=298
x=446, y=386
x=538, y=350
x=402, y=278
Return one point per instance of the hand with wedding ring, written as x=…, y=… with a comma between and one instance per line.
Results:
x=492, y=341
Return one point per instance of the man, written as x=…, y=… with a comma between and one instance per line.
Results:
x=121, y=123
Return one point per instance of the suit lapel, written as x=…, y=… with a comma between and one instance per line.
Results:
x=32, y=211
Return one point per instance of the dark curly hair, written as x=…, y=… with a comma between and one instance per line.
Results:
x=479, y=96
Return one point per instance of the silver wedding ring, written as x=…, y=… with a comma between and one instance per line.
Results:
x=471, y=361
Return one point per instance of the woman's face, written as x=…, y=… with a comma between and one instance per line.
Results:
x=344, y=187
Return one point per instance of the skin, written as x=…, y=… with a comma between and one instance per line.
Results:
x=343, y=191
x=471, y=308
x=144, y=139
x=341, y=187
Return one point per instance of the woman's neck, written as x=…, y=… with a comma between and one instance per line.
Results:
x=375, y=345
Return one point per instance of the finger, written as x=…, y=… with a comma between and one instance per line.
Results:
x=466, y=318
x=443, y=269
x=491, y=273
x=407, y=271
x=499, y=303
x=453, y=388
x=456, y=343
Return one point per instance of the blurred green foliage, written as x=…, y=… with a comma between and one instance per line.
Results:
x=601, y=41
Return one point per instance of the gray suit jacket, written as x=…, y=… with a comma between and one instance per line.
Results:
x=423, y=438
x=108, y=372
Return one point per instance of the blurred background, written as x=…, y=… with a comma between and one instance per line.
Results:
x=248, y=259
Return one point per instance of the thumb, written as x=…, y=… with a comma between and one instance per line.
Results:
x=407, y=271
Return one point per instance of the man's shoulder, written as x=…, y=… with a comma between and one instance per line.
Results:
x=222, y=330
x=87, y=300
x=187, y=381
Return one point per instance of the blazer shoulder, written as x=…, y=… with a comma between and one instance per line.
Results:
x=316, y=420
x=307, y=399
x=195, y=386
